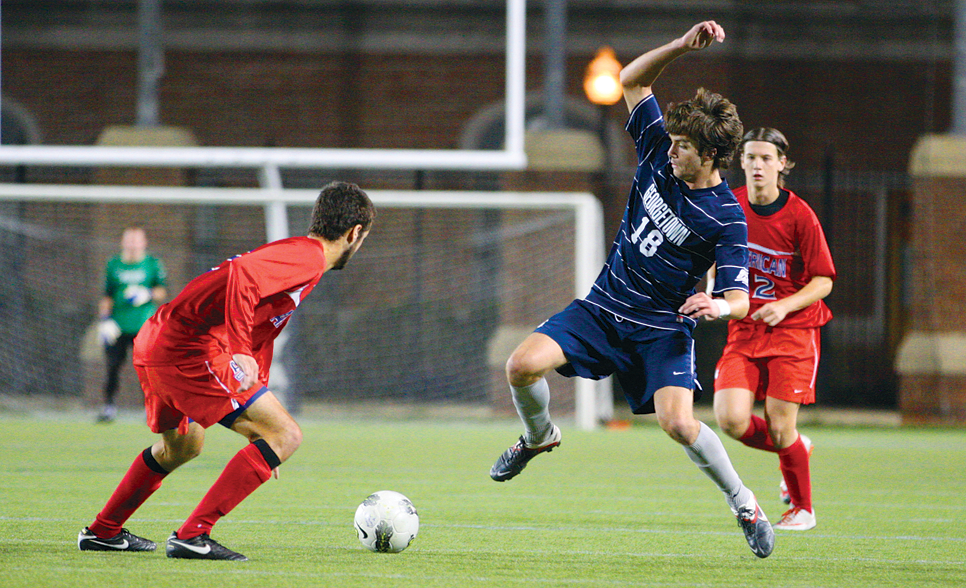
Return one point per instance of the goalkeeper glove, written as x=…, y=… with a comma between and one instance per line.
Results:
x=108, y=330
x=137, y=295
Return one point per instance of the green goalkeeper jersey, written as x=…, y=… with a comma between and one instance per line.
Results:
x=121, y=284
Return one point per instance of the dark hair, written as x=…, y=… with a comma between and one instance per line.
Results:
x=711, y=121
x=339, y=207
x=776, y=138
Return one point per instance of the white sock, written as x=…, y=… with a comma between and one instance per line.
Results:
x=532, y=403
x=710, y=456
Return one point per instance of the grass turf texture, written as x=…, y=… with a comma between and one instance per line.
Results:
x=611, y=508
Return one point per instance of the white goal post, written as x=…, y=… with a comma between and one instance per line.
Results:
x=269, y=160
x=593, y=400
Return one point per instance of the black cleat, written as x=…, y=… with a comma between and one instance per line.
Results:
x=516, y=457
x=200, y=547
x=107, y=414
x=758, y=532
x=123, y=541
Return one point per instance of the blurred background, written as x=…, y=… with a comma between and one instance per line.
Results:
x=868, y=92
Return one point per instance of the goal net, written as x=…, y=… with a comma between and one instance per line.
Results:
x=423, y=318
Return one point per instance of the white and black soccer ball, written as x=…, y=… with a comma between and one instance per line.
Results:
x=387, y=522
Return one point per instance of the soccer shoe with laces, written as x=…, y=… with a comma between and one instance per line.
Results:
x=796, y=519
x=758, y=532
x=516, y=457
x=782, y=486
x=200, y=547
x=123, y=541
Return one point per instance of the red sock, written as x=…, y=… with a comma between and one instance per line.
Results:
x=757, y=435
x=243, y=475
x=138, y=485
x=793, y=461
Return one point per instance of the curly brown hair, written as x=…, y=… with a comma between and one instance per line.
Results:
x=711, y=122
x=339, y=207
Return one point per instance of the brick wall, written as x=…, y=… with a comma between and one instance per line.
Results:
x=415, y=101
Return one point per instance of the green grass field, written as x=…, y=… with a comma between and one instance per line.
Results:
x=610, y=508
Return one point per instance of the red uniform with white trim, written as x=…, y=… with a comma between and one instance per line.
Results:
x=785, y=251
x=183, y=353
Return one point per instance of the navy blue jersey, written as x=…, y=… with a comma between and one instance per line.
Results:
x=669, y=237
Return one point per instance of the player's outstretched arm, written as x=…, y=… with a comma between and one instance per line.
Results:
x=640, y=74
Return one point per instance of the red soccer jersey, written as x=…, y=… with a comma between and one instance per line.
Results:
x=238, y=307
x=785, y=251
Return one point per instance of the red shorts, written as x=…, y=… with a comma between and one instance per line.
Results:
x=205, y=392
x=770, y=361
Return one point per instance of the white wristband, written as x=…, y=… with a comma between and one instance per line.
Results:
x=724, y=309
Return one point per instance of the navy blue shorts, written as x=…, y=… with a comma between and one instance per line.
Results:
x=645, y=359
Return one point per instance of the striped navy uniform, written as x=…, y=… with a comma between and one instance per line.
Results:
x=670, y=235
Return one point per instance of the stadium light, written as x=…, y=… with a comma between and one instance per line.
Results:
x=602, y=82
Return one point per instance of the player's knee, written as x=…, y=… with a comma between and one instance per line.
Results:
x=190, y=452
x=522, y=370
x=288, y=441
x=295, y=438
x=681, y=428
x=175, y=455
x=733, y=426
x=782, y=437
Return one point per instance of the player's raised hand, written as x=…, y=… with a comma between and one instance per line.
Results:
x=702, y=35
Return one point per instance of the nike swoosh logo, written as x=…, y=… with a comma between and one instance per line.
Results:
x=679, y=373
x=363, y=531
x=199, y=550
x=123, y=545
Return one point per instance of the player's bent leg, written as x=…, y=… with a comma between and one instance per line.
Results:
x=142, y=479
x=274, y=437
x=267, y=419
x=674, y=410
x=525, y=370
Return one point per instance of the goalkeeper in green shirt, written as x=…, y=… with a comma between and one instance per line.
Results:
x=134, y=284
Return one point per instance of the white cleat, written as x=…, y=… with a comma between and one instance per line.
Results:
x=796, y=519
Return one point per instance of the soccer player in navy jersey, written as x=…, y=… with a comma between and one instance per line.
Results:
x=638, y=318
x=204, y=358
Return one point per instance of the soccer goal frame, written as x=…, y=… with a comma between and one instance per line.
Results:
x=270, y=160
x=593, y=399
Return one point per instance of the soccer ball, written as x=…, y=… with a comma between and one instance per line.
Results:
x=387, y=522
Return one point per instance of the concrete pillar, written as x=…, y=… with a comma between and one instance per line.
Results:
x=931, y=361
